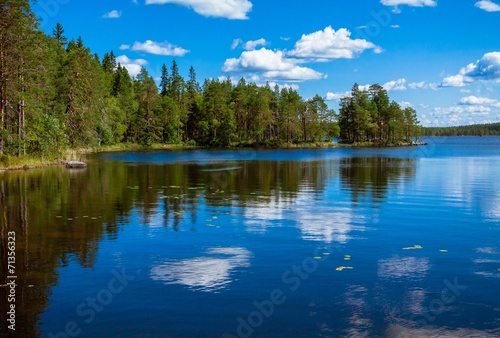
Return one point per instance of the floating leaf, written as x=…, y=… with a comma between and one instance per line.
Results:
x=317, y=257
x=349, y=267
x=340, y=268
x=210, y=225
x=418, y=247
x=85, y=216
x=326, y=253
x=347, y=258
x=215, y=217
x=70, y=219
x=443, y=250
x=94, y=217
x=31, y=285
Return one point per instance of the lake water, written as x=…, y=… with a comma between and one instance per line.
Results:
x=374, y=242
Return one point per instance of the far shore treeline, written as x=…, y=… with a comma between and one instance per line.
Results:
x=491, y=129
x=56, y=95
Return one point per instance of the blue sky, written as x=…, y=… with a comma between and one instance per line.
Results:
x=442, y=57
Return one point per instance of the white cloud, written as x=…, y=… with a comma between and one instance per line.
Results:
x=229, y=9
x=417, y=85
x=405, y=104
x=488, y=6
x=133, y=66
x=328, y=44
x=461, y=115
x=331, y=96
x=412, y=3
x=423, y=85
x=236, y=43
x=124, y=47
x=395, y=26
x=251, y=45
x=114, y=14
x=272, y=64
x=475, y=101
x=159, y=48
x=485, y=69
x=395, y=85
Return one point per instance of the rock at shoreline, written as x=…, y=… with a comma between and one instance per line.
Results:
x=76, y=165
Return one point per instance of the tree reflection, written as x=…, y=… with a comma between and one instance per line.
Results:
x=368, y=178
x=60, y=215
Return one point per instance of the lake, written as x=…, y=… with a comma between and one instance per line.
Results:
x=342, y=242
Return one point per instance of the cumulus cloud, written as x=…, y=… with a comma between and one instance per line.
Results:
x=229, y=9
x=479, y=101
x=249, y=45
x=328, y=44
x=462, y=114
x=488, y=6
x=133, y=66
x=411, y=3
x=114, y=14
x=157, y=48
x=485, y=69
x=336, y=96
x=395, y=85
x=273, y=65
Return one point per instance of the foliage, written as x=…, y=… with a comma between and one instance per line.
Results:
x=475, y=129
x=56, y=95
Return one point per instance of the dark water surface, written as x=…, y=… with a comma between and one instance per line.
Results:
x=399, y=242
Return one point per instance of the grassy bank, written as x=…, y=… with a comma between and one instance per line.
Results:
x=31, y=162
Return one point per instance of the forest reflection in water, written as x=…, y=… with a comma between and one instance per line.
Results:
x=62, y=215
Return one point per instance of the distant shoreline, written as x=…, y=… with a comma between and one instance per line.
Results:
x=29, y=162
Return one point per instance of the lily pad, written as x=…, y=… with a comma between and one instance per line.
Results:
x=347, y=258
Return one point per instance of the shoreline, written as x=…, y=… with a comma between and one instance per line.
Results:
x=29, y=162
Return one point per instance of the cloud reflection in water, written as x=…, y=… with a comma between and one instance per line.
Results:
x=205, y=273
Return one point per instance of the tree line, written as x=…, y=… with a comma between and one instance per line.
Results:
x=56, y=94
x=491, y=129
x=369, y=115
